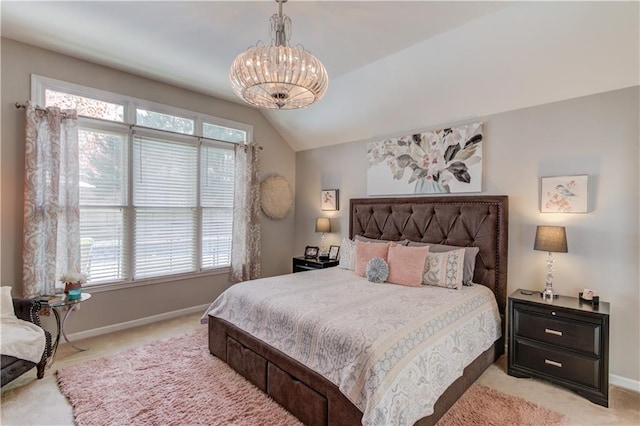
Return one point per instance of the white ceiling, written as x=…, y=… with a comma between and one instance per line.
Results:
x=393, y=66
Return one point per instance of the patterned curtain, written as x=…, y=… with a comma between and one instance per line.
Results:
x=245, y=249
x=51, y=199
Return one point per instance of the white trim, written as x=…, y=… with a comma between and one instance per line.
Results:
x=623, y=382
x=135, y=323
x=39, y=83
x=100, y=287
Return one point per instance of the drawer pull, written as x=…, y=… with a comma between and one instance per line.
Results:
x=554, y=332
x=554, y=363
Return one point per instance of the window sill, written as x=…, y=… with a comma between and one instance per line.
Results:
x=99, y=288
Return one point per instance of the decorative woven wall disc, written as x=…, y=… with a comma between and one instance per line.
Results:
x=276, y=197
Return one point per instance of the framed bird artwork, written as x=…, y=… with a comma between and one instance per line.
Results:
x=564, y=194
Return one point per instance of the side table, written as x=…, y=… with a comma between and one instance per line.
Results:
x=69, y=306
x=301, y=264
x=564, y=341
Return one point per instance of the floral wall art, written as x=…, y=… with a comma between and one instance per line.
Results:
x=435, y=162
x=564, y=194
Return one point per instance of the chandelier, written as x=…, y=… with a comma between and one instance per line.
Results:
x=278, y=76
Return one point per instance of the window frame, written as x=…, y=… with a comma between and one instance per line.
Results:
x=39, y=85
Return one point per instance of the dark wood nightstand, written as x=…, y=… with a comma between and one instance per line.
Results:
x=565, y=341
x=301, y=264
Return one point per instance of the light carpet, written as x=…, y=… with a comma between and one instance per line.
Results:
x=177, y=381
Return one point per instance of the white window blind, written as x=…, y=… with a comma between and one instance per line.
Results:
x=103, y=200
x=217, y=186
x=103, y=244
x=165, y=201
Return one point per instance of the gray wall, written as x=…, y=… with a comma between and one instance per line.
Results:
x=596, y=135
x=106, y=308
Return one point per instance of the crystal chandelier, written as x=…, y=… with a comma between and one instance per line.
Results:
x=278, y=76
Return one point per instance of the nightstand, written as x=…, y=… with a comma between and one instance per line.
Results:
x=301, y=264
x=564, y=341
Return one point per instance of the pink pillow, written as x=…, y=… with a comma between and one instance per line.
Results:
x=366, y=251
x=406, y=264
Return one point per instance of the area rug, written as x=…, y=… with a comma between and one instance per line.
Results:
x=177, y=381
x=174, y=381
x=483, y=406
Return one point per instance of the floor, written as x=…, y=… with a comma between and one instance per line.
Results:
x=28, y=401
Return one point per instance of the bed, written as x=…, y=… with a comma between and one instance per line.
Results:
x=465, y=221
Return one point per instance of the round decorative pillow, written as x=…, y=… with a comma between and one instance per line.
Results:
x=377, y=270
x=276, y=197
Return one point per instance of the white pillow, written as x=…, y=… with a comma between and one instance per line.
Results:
x=444, y=269
x=348, y=254
x=6, y=303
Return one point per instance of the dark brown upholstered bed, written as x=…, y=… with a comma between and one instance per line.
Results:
x=480, y=221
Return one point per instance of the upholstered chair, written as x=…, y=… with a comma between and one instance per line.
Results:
x=12, y=368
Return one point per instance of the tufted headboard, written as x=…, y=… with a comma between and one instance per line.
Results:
x=479, y=221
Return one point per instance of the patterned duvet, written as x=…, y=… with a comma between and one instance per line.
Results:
x=392, y=350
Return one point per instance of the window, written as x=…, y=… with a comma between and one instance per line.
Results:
x=156, y=184
x=216, y=198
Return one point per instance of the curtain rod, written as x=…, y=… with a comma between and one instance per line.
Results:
x=246, y=145
x=19, y=105
x=133, y=126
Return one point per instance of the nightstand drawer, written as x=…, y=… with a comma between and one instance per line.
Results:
x=575, y=335
x=558, y=364
x=308, y=264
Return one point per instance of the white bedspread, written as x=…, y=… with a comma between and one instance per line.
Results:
x=392, y=350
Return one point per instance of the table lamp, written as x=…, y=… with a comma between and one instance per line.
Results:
x=552, y=239
x=323, y=224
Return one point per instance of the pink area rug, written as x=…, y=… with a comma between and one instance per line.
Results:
x=169, y=382
x=178, y=382
x=484, y=406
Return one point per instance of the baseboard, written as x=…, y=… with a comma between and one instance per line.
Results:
x=135, y=323
x=623, y=382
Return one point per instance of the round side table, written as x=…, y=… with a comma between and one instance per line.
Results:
x=69, y=306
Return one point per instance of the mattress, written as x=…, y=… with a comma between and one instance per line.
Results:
x=391, y=350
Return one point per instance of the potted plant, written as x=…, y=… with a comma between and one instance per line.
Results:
x=72, y=281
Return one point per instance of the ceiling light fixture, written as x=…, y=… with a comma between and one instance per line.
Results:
x=278, y=76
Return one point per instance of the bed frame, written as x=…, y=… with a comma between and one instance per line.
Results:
x=480, y=221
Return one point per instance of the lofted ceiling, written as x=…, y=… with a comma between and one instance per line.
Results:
x=394, y=66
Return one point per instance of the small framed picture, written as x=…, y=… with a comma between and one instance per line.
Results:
x=311, y=252
x=333, y=252
x=564, y=194
x=329, y=199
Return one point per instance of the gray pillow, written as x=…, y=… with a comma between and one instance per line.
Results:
x=470, y=254
x=373, y=240
x=377, y=270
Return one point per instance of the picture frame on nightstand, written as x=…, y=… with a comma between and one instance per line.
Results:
x=333, y=252
x=311, y=252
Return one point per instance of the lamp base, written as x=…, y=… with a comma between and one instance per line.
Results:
x=549, y=296
x=548, y=292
